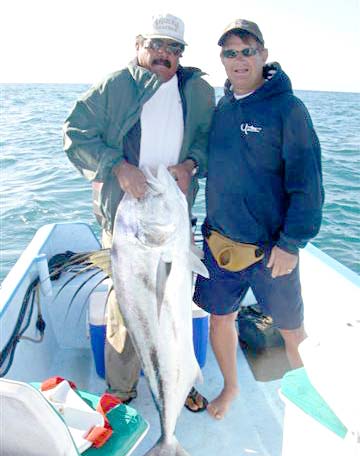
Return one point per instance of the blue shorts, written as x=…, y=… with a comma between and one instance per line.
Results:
x=223, y=292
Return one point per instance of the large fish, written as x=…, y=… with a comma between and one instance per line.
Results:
x=152, y=264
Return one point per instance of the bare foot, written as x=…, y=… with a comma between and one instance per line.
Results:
x=219, y=406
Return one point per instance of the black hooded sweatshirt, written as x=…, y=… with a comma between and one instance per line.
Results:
x=264, y=181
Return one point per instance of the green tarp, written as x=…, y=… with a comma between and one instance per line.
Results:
x=128, y=427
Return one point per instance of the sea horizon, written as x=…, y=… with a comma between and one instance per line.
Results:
x=215, y=86
x=39, y=185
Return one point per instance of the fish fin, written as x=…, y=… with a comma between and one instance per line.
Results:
x=83, y=262
x=197, y=251
x=152, y=181
x=78, y=291
x=172, y=448
x=162, y=274
x=98, y=261
x=164, y=175
x=101, y=259
x=166, y=256
x=197, y=265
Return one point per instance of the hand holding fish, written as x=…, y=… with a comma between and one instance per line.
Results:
x=131, y=179
x=182, y=174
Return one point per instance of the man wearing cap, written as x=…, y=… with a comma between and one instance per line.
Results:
x=152, y=112
x=264, y=200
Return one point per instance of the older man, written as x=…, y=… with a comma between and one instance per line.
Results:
x=264, y=201
x=152, y=112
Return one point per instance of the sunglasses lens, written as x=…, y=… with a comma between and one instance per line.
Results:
x=156, y=44
x=229, y=53
x=173, y=48
x=249, y=52
x=176, y=49
x=233, y=53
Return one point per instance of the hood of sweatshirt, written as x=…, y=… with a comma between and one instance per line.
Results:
x=276, y=82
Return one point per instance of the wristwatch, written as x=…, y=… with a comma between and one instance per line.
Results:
x=195, y=169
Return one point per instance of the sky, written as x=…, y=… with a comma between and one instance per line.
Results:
x=81, y=41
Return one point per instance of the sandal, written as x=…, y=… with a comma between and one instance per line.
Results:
x=126, y=401
x=195, y=402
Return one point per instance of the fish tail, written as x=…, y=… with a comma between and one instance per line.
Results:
x=163, y=448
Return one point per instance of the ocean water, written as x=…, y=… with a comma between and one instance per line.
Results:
x=38, y=185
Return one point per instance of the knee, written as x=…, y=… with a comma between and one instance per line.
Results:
x=219, y=322
x=293, y=337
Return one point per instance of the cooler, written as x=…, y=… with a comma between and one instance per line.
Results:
x=97, y=326
x=97, y=329
x=200, y=333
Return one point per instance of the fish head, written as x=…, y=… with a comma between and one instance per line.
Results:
x=162, y=212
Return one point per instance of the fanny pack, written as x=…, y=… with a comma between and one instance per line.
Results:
x=233, y=256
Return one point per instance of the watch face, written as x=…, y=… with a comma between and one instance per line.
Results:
x=195, y=171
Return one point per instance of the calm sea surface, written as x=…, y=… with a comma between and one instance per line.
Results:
x=38, y=185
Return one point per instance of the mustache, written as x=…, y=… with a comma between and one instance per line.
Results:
x=163, y=62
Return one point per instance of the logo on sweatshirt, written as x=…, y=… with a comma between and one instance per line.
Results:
x=246, y=128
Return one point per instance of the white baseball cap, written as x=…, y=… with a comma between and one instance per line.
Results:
x=165, y=26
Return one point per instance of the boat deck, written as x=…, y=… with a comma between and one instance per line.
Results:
x=253, y=426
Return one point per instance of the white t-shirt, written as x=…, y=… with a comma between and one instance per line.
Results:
x=162, y=126
x=239, y=97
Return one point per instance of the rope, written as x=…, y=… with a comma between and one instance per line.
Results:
x=26, y=311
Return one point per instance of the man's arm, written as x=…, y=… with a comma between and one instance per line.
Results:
x=198, y=150
x=302, y=179
x=131, y=179
x=303, y=185
x=196, y=160
x=84, y=132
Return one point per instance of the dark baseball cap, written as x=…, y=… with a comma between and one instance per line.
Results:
x=242, y=24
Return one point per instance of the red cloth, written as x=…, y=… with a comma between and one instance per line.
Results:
x=53, y=381
x=97, y=435
x=107, y=402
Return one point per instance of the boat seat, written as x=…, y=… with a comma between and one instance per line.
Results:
x=31, y=426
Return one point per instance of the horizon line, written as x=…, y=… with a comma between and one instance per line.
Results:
x=215, y=87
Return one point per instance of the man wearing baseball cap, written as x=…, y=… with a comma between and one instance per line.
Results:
x=264, y=200
x=152, y=112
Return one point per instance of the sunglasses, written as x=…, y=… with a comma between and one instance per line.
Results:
x=233, y=53
x=172, y=48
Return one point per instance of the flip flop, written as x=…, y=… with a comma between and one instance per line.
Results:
x=125, y=401
x=193, y=399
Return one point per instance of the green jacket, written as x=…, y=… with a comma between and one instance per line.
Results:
x=94, y=131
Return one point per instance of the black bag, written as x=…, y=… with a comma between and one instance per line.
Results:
x=256, y=330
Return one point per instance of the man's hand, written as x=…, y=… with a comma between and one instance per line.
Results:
x=182, y=174
x=131, y=179
x=281, y=262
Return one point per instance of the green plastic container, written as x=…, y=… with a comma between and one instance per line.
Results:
x=297, y=388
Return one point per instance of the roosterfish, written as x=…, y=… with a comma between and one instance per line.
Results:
x=153, y=261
